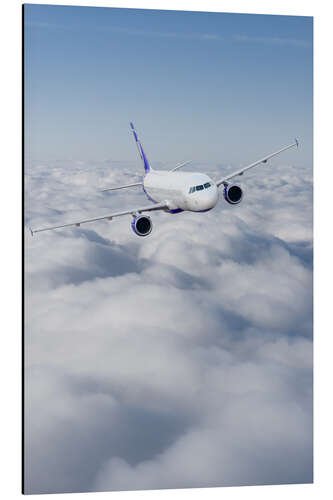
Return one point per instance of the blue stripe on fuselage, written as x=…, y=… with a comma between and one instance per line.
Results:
x=176, y=211
x=149, y=198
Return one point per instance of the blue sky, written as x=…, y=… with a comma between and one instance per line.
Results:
x=210, y=87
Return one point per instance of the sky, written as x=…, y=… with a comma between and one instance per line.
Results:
x=202, y=86
x=183, y=359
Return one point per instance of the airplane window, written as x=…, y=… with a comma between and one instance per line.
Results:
x=192, y=189
x=207, y=185
x=199, y=188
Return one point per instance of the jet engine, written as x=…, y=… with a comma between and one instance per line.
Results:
x=233, y=193
x=142, y=225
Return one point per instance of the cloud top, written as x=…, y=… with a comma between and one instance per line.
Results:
x=179, y=360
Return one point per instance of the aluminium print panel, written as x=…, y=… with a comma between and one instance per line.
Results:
x=168, y=322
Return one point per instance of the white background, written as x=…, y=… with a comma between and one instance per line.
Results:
x=10, y=95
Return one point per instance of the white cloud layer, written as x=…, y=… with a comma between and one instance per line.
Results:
x=183, y=359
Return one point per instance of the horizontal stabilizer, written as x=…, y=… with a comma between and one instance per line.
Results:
x=180, y=165
x=122, y=187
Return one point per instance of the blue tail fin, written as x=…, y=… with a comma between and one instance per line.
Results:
x=141, y=151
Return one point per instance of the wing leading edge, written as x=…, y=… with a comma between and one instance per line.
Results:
x=225, y=179
x=149, y=208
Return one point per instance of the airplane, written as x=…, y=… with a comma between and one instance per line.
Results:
x=174, y=192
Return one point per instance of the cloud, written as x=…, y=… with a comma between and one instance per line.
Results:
x=271, y=40
x=166, y=34
x=128, y=31
x=178, y=35
x=182, y=359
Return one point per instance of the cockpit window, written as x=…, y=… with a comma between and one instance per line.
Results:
x=200, y=187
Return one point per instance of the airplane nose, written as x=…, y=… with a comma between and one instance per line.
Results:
x=205, y=200
x=213, y=196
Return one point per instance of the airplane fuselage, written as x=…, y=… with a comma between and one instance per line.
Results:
x=191, y=191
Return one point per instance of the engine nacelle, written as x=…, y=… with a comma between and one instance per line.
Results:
x=142, y=225
x=233, y=194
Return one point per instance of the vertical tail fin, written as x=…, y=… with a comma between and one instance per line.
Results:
x=141, y=151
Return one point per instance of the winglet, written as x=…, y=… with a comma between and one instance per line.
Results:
x=296, y=142
x=31, y=231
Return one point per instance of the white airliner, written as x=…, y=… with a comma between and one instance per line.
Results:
x=174, y=192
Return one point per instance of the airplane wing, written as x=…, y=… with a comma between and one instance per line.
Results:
x=133, y=211
x=225, y=179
